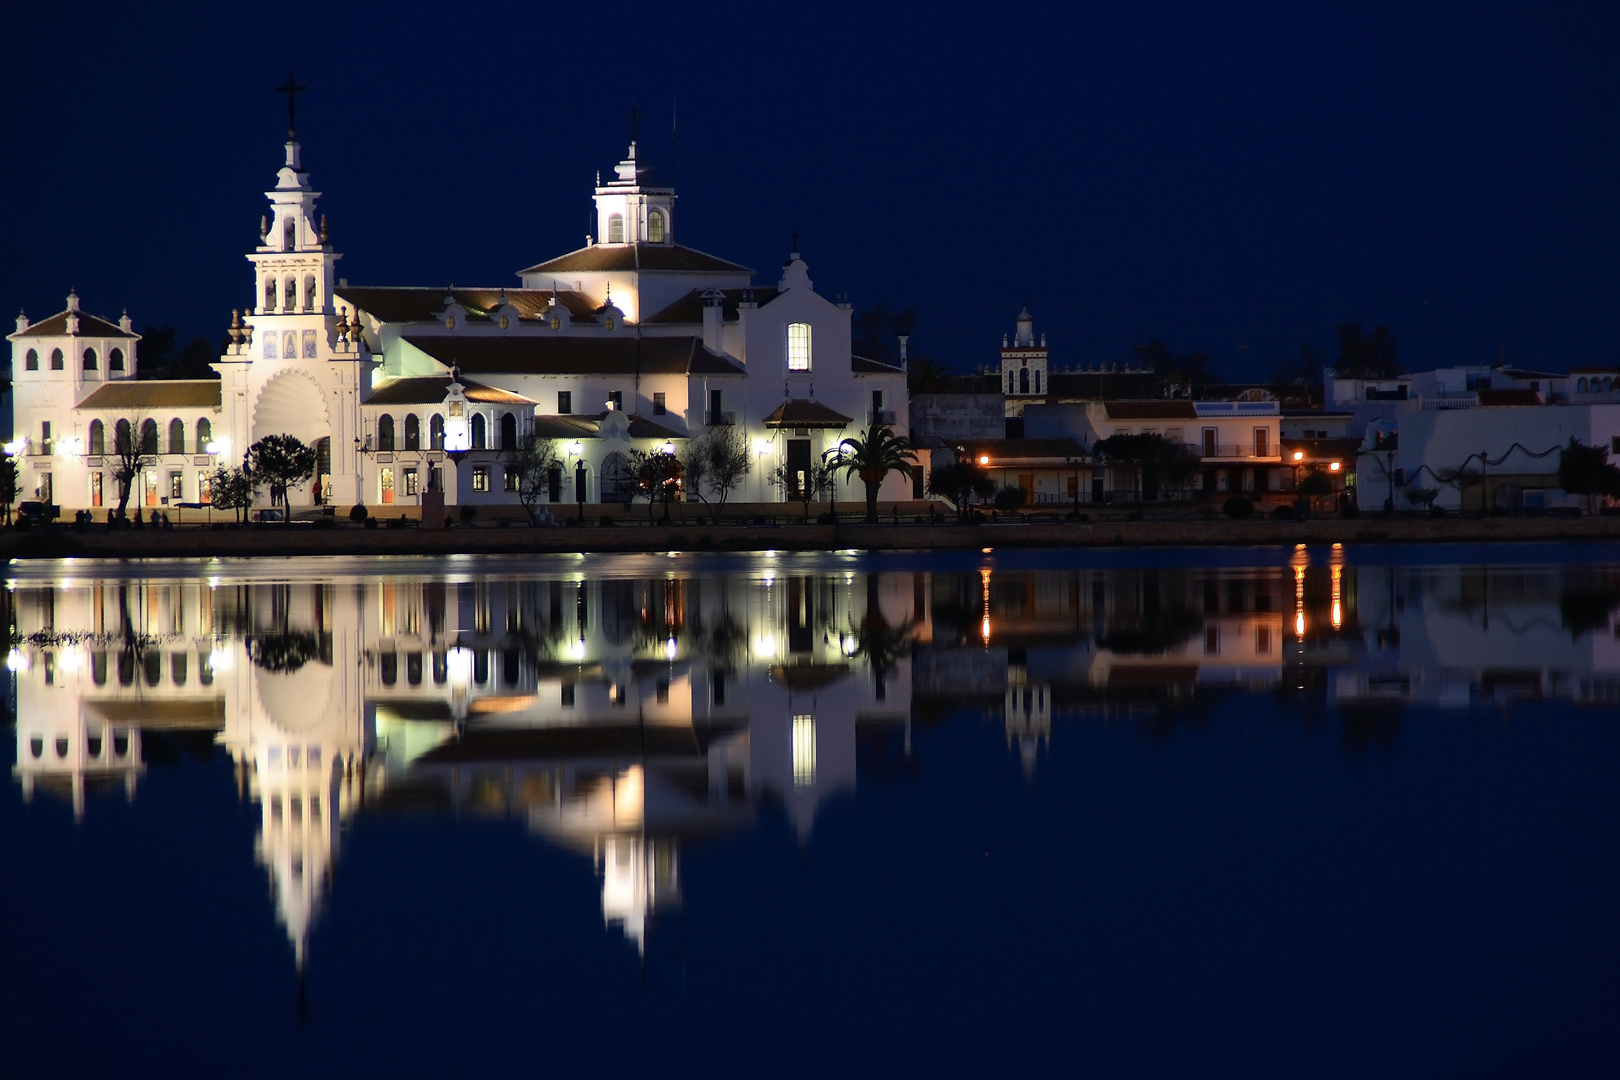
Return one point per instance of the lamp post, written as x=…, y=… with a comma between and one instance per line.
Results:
x=576, y=450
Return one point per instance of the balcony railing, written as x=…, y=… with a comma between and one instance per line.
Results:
x=721, y=419
x=880, y=416
x=1233, y=450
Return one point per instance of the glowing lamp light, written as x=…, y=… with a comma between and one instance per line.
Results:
x=849, y=644
x=16, y=661
x=459, y=665
x=1299, y=455
x=577, y=650
x=218, y=447
x=1334, y=467
x=762, y=447
x=984, y=459
x=575, y=448
x=69, y=447
x=670, y=649
x=766, y=645
x=16, y=446
x=72, y=659
x=219, y=660
x=1299, y=624
x=669, y=448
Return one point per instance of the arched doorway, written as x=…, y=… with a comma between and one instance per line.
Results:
x=618, y=480
x=291, y=404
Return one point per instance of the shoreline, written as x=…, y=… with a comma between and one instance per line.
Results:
x=56, y=542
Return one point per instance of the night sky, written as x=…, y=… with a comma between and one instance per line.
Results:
x=1235, y=178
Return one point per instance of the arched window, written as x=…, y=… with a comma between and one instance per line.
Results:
x=56, y=359
x=289, y=295
x=479, y=442
x=31, y=362
x=413, y=432
x=177, y=436
x=618, y=479
x=289, y=235
x=149, y=437
x=798, y=346
x=1608, y=383
x=309, y=292
x=508, y=431
x=436, y=432
x=121, y=437
x=205, y=433
x=655, y=226
x=269, y=294
x=115, y=360
x=1023, y=380
x=385, y=432
x=98, y=438
x=90, y=360
x=615, y=228
x=1580, y=385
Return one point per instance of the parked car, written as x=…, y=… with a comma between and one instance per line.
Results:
x=38, y=513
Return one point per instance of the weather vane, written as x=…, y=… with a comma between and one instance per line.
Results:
x=292, y=89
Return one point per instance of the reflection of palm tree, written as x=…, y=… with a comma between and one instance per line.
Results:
x=882, y=645
x=283, y=653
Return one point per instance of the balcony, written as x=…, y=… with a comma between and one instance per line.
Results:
x=1233, y=452
x=880, y=416
x=721, y=419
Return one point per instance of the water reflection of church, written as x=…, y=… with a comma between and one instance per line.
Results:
x=624, y=718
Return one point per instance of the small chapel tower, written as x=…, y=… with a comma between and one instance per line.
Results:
x=632, y=210
x=1023, y=363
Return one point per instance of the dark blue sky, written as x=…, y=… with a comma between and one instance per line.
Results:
x=1230, y=177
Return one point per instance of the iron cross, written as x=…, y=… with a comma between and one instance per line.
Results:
x=292, y=89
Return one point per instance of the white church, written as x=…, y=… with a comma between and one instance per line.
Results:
x=631, y=342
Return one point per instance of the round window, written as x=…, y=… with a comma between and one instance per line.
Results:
x=607, y=323
x=449, y=322
x=556, y=323
x=505, y=322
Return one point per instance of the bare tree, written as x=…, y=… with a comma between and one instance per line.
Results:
x=729, y=459
x=134, y=443
x=533, y=466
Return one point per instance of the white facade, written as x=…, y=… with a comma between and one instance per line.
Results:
x=1508, y=456
x=392, y=385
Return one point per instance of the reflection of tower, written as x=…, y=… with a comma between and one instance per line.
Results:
x=298, y=732
x=1029, y=721
x=639, y=876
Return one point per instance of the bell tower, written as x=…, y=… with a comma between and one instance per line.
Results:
x=630, y=209
x=1023, y=362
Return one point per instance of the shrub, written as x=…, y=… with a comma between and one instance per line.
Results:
x=1283, y=513
x=371, y=523
x=357, y=513
x=1011, y=498
x=1238, y=508
x=606, y=520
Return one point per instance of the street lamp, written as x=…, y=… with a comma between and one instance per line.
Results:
x=576, y=450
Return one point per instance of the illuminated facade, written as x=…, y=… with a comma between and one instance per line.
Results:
x=632, y=342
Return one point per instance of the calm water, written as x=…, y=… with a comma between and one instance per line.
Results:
x=1258, y=812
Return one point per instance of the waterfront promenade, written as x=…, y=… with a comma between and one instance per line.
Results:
x=343, y=538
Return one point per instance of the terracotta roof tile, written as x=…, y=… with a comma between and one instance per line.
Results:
x=431, y=390
x=156, y=394
x=415, y=304
x=800, y=412
x=649, y=257
x=689, y=308
x=89, y=326
x=548, y=354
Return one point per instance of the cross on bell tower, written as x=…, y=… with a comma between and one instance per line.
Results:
x=292, y=89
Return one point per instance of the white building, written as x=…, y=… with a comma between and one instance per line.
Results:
x=386, y=382
x=1487, y=456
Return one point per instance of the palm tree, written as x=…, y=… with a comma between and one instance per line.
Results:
x=877, y=453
